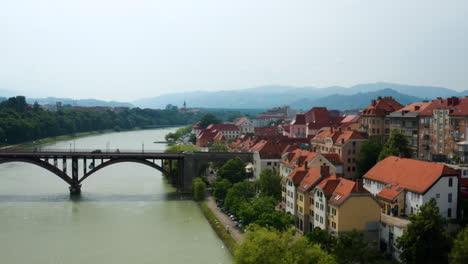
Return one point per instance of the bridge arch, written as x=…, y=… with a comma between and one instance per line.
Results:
x=120, y=160
x=43, y=164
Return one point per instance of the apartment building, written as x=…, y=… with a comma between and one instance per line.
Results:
x=406, y=120
x=373, y=118
x=344, y=143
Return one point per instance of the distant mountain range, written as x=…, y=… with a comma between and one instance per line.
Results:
x=78, y=102
x=335, y=97
x=263, y=97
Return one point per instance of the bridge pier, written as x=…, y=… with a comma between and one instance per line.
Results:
x=75, y=189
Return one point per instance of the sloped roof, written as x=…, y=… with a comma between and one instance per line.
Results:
x=297, y=175
x=344, y=189
x=299, y=120
x=414, y=175
x=382, y=107
x=338, y=136
x=390, y=192
x=458, y=106
x=415, y=107
x=310, y=180
x=207, y=134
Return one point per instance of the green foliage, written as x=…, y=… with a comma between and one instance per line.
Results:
x=193, y=139
x=352, y=248
x=368, y=156
x=218, y=147
x=233, y=170
x=266, y=246
x=180, y=148
x=21, y=123
x=261, y=211
x=396, y=145
x=221, y=188
x=269, y=184
x=459, y=253
x=240, y=193
x=323, y=238
x=426, y=240
x=173, y=137
x=209, y=119
x=199, y=189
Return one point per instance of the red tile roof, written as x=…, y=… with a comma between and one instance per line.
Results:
x=350, y=119
x=457, y=106
x=414, y=175
x=382, y=107
x=415, y=107
x=220, y=137
x=390, y=192
x=297, y=175
x=344, y=189
x=207, y=134
x=310, y=180
x=338, y=136
x=299, y=120
x=240, y=121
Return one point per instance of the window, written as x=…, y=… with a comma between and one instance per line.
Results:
x=317, y=204
x=437, y=195
x=301, y=197
x=333, y=211
x=321, y=220
x=316, y=217
x=300, y=209
x=449, y=213
x=321, y=207
x=450, y=197
x=268, y=163
x=333, y=225
x=450, y=182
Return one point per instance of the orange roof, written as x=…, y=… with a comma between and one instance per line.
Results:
x=220, y=137
x=328, y=184
x=457, y=106
x=207, y=134
x=310, y=180
x=240, y=121
x=382, y=107
x=338, y=136
x=267, y=149
x=297, y=175
x=415, y=107
x=414, y=175
x=344, y=189
x=390, y=192
x=350, y=119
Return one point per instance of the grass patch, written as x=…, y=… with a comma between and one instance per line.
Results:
x=218, y=228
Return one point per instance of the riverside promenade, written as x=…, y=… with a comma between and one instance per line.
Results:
x=224, y=219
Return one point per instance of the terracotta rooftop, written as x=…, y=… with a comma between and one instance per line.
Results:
x=299, y=120
x=390, y=192
x=414, y=175
x=338, y=136
x=415, y=107
x=457, y=106
x=382, y=107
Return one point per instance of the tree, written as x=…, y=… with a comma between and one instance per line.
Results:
x=221, y=188
x=239, y=193
x=368, y=156
x=209, y=119
x=193, y=139
x=233, y=170
x=199, y=189
x=269, y=183
x=352, y=248
x=180, y=148
x=459, y=253
x=396, y=145
x=218, y=147
x=266, y=246
x=425, y=240
x=323, y=238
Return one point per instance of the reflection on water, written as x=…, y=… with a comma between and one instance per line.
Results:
x=127, y=213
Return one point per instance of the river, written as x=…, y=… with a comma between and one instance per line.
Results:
x=127, y=213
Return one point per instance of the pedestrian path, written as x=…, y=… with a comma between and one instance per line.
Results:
x=224, y=219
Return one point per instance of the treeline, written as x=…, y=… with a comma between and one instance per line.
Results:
x=21, y=123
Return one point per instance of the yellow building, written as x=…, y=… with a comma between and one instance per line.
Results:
x=342, y=205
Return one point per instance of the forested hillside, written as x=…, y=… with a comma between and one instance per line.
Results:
x=21, y=123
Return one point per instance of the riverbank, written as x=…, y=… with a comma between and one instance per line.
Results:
x=50, y=140
x=218, y=226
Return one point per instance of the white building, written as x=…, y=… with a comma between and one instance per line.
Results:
x=402, y=186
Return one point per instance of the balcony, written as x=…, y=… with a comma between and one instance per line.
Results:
x=425, y=136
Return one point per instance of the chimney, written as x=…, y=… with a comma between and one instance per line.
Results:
x=305, y=166
x=449, y=101
x=374, y=102
x=455, y=100
x=324, y=171
x=339, y=129
x=380, y=97
x=416, y=107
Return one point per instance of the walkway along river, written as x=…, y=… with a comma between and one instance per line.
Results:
x=127, y=213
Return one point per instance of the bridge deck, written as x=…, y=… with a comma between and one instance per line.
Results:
x=90, y=154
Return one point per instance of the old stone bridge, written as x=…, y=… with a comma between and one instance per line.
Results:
x=181, y=168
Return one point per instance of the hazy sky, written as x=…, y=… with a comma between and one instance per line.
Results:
x=129, y=49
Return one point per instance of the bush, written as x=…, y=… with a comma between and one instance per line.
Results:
x=199, y=189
